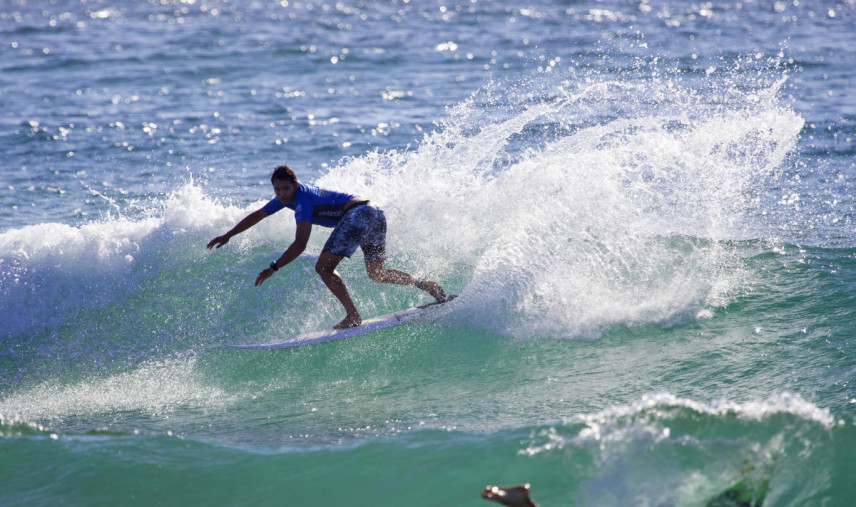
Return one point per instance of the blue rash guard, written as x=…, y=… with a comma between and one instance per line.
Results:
x=319, y=206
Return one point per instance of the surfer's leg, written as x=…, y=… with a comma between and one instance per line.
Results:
x=326, y=268
x=373, y=245
x=381, y=274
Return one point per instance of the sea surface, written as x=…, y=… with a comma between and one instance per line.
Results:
x=647, y=208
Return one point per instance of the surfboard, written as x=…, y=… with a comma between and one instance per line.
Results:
x=368, y=326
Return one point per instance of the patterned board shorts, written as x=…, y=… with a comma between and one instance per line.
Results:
x=363, y=226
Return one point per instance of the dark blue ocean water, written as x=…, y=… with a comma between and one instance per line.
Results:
x=647, y=208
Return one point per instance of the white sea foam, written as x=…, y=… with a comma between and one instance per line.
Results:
x=568, y=232
x=155, y=389
x=48, y=272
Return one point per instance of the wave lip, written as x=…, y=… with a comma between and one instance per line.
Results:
x=655, y=414
x=676, y=451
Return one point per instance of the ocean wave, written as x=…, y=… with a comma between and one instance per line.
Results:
x=660, y=449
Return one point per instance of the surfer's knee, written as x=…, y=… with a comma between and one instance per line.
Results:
x=376, y=275
x=376, y=272
x=326, y=265
x=324, y=271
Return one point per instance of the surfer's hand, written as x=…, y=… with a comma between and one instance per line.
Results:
x=218, y=241
x=263, y=275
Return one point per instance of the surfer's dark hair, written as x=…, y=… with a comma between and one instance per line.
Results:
x=283, y=173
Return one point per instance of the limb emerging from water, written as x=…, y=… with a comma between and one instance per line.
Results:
x=511, y=496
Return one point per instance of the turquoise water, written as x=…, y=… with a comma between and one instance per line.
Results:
x=646, y=208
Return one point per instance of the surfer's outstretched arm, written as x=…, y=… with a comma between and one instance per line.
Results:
x=301, y=238
x=248, y=222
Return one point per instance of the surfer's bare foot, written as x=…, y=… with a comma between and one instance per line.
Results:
x=432, y=288
x=512, y=496
x=349, y=321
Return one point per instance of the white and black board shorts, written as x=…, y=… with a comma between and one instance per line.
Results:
x=362, y=226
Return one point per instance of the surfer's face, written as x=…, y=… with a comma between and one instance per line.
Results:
x=284, y=191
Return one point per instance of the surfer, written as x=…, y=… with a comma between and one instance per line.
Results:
x=355, y=222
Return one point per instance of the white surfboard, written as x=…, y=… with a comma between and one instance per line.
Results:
x=329, y=335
